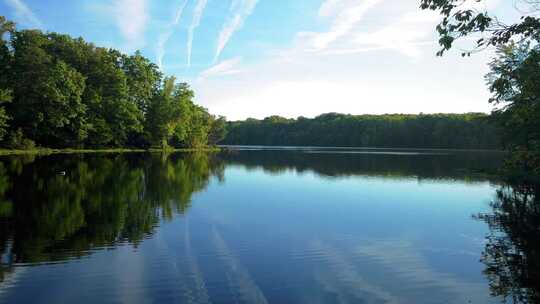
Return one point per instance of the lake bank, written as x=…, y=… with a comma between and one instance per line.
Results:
x=48, y=151
x=366, y=148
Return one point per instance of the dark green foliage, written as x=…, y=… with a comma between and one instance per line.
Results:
x=512, y=251
x=461, y=20
x=5, y=96
x=173, y=118
x=58, y=91
x=6, y=27
x=17, y=141
x=218, y=130
x=198, y=127
x=144, y=79
x=163, y=112
x=458, y=131
x=513, y=81
x=47, y=103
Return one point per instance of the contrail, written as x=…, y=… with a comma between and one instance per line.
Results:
x=240, y=11
x=23, y=12
x=196, y=291
x=164, y=38
x=345, y=20
x=197, y=15
x=179, y=12
x=237, y=275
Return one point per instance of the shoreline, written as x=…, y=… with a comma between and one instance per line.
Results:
x=219, y=148
x=280, y=147
x=49, y=151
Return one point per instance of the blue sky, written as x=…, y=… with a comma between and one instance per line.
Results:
x=256, y=58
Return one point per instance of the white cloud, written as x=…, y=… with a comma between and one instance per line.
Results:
x=410, y=32
x=197, y=15
x=24, y=13
x=365, y=26
x=164, y=37
x=328, y=7
x=249, y=95
x=235, y=4
x=224, y=68
x=347, y=13
x=240, y=11
x=132, y=18
x=481, y=5
x=371, y=64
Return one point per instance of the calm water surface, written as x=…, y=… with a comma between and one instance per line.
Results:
x=250, y=226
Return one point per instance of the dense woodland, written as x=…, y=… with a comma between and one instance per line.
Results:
x=459, y=131
x=59, y=91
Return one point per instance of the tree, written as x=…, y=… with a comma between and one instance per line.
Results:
x=169, y=113
x=47, y=102
x=218, y=130
x=461, y=18
x=5, y=96
x=64, y=121
x=143, y=79
x=513, y=81
x=115, y=117
x=159, y=116
x=185, y=108
x=199, y=127
x=457, y=131
x=6, y=27
x=61, y=91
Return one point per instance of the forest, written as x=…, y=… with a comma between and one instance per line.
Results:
x=457, y=131
x=62, y=92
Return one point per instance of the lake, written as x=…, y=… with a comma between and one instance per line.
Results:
x=259, y=225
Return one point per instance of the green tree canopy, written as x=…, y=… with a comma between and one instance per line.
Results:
x=466, y=131
x=59, y=91
x=461, y=19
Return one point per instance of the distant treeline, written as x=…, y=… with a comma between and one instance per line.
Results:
x=58, y=91
x=456, y=131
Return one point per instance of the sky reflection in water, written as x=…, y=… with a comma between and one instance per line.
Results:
x=246, y=227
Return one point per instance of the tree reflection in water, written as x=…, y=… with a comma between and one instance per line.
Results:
x=106, y=200
x=512, y=251
x=100, y=202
